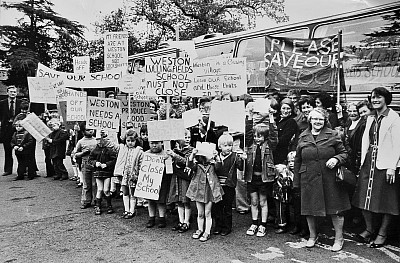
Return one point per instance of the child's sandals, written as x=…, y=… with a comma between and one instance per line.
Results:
x=184, y=228
x=124, y=214
x=129, y=215
x=197, y=234
x=204, y=237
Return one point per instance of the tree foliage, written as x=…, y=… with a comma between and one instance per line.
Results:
x=199, y=17
x=35, y=37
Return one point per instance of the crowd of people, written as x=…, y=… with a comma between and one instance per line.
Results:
x=304, y=156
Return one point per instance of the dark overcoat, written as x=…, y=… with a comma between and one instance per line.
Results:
x=320, y=193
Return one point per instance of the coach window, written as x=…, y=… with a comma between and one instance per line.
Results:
x=224, y=49
x=371, y=50
x=254, y=50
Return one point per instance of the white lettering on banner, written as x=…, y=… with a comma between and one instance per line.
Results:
x=103, y=113
x=167, y=76
x=140, y=113
x=89, y=80
x=150, y=176
x=213, y=76
x=41, y=90
x=115, y=50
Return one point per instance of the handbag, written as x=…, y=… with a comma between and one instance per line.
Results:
x=344, y=175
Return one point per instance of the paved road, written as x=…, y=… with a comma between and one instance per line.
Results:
x=40, y=221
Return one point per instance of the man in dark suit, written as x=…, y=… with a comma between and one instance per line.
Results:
x=9, y=108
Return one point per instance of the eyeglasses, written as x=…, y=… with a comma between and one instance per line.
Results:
x=317, y=119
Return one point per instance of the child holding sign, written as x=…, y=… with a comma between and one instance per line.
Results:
x=180, y=182
x=204, y=189
x=128, y=164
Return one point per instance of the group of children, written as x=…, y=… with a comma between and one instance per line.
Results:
x=209, y=181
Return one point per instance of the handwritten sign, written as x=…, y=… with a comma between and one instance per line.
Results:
x=172, y=129
x=140, y=113
x=150, y=176
x=167, y=75
x=76, y=106
x=35, y=126
x=108, y=78
x=134, y=84
x=103, y=113
x=115, y=50
x=81, y=64
x=41, y=90
x=235, y=120
x=213, y=76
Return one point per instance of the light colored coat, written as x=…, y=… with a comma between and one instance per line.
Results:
x=388, y=144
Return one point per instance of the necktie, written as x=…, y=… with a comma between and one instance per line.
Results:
x=11, y=108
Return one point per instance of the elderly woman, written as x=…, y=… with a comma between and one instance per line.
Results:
x=319, y=152
x=378, y=186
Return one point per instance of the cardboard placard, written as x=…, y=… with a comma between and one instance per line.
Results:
x=115, y=50
x=76, y=106
x=35, y=126
x=166, y=130
x=103, y=113
x=213, y=76
x=235, y=120
x=191, y=117
x=140, y=113
x=81, y=64
x=96, y=80
x=150, y=176
x=167, y=75
x=134, y=84
x=41, y=90
x=205, y=149
x=262, y=105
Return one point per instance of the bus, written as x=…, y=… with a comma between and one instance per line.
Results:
x=370, y=43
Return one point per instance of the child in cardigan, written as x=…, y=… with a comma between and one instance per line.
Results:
x=129, y=159
x=156, y=147
x=24, y=145
x=205, y=190
x=282, y=195
x=260, y=173
x=226, y=170
x=103, y=158
x=180, y=182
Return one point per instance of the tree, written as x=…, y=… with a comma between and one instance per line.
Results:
x=32, y=40
x=199, y=17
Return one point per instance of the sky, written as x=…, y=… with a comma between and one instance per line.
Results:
x=87, y=12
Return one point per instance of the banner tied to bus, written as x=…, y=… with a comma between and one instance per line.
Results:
x=301, y=63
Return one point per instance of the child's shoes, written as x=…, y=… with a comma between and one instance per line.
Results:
x=204, y=237
x=252, y=230
x=184, y=228
x=262, y=231
x=177, y=227
x=197, y=234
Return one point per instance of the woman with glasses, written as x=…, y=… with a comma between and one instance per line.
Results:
x=378, y=187
x=319, y=152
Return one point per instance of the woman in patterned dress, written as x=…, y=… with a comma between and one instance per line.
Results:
x=378, y=188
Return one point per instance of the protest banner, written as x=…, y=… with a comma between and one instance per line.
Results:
x=81, y=64
x=150, y=176
x=41, y=90
x=103, y=113
x=108, y=78
x=172, y=129
x=76, y=106
x=35, y=126
x=235, y=120
x=115, y=50
x=134, y=84
x=167, y=75
x=301, y=63
x=212, y=76
x=139, y=113
x=206, y=149
x=191, y=117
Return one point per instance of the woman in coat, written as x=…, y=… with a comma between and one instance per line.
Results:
x=319, y=152
x=378, y=186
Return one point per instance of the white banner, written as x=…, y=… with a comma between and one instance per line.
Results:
x=89, y=80
x=150, y=176
x=76, y=106
x=115, y=50
x=35, y=126
x=140, y=113
x=235, y=120
x=166, y=130
x=103, y=113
